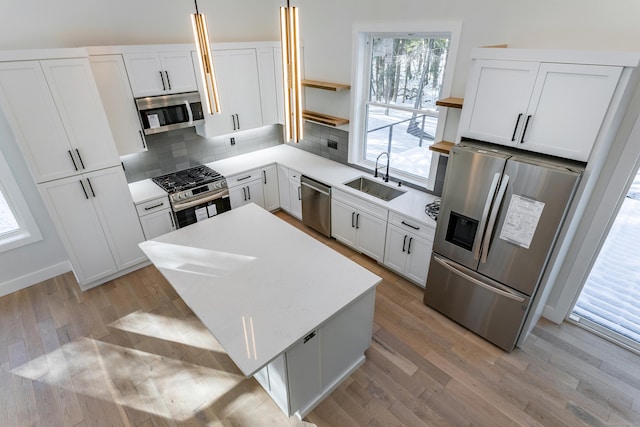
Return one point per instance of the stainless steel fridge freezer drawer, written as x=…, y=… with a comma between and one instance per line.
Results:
x=483, y=306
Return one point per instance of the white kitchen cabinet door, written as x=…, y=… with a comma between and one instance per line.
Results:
x=295, y=194
x=157, y=223
x=270, y=188
x=496, y=100
x=343, y=219
x=160, y=73
x=29, y=107
x=395, y=254
x=115, y=91
x=78, y=102
x=303, y=371
x=179, y=70
x=418, y=258
x=251, y=192
x=269, y=66
x=239, y=90
x=567, y=108
x=73, y=212
x=283, y=188
x=117, y=214
x=370, y=235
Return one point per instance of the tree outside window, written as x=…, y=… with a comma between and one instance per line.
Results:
x=405, y=80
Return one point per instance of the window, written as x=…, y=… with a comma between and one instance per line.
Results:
x=400, y=78
x=17, y=226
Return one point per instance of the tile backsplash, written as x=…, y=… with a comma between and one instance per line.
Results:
x=183, y=148
x=316, y=141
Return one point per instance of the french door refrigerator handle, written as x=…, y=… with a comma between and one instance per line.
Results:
x=485, y=213
x=492, y=221
x=446, y=264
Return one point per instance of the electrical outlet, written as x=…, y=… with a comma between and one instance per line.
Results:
x=233, y=141
x=332, y=144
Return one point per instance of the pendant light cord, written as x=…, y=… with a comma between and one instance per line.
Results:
x=196, y=2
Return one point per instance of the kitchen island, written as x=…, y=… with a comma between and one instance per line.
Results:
x=287, y=309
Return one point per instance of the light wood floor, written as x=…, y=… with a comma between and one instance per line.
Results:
x=131, y=353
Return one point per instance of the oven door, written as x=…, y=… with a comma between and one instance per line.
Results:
x=197, y=210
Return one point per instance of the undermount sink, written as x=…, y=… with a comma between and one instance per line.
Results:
x=374, y=188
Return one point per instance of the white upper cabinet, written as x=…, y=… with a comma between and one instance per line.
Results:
x=55, y=112
x=546, y=107
x=160, y=73
x=113, y=84
x=271, y=93
x=239, y=90
x=497, y=97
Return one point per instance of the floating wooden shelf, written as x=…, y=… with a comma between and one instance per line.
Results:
x=335, y=87
x=450, y=102
x=443, y=147
x=324, y=119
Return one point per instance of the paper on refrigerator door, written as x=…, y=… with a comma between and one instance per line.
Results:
x=521, y=221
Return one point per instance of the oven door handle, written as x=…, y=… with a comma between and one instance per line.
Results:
x=189, y=112
x=182, y=206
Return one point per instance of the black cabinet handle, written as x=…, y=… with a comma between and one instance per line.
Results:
x=299, y=193
x=409, y=225
x=91, y=188
x=238, y=120
x=144, y=145
x=526, y=125
x=233, y=118
x=162, y=78
x=148, y=208
x=404, y=242
x=249, y=192
x=357, y=221
x=73, y=160
x=513, y=137
x=308, y=337
x=409, y=248
x=264, y=174
x=353, y=219
x=243, y=178
x=80, y=158
x=84, y=190
x=166, y=73
x=244, y=191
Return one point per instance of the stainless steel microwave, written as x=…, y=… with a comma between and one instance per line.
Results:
x=168, y=112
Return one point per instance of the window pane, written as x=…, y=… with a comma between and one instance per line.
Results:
x=407, y=71
x=8, y=222
x=406, y=136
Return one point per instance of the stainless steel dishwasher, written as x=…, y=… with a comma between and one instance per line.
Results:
x=316, y=205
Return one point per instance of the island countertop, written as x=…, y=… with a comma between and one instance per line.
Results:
x=256, y=282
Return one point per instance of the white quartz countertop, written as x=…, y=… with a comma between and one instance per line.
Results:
x=145, y=190
x=256, y=282
x=334, y=174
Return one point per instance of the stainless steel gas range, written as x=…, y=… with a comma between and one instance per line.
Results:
x=195, y=194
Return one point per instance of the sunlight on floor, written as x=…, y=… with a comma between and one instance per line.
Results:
x=131, y=378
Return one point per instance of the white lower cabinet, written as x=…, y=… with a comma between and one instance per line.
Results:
x=290, y=191
x=97, y=222
x=359, y=224
x=270, y=188
x=311, y=369
x=246, y=188
x=408, y=248
x=156, y=217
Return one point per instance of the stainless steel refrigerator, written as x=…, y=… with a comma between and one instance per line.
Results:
x=500, y=215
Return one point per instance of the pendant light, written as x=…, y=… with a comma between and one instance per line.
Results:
x=205, y=58
x=291, y=76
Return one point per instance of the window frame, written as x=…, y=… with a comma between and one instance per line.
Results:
x=360, y=78
x=28, y=231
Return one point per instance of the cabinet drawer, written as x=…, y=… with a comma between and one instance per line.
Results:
x=244, y=178
x=362, y=205
x=294, y=175
x=152, y=206
x=412, y=226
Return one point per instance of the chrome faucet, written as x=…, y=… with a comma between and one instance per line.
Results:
x=375, y=174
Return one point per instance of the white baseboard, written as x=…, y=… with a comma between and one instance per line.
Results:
x=35, y=277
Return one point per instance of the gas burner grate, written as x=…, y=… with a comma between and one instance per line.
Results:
x=187, y=178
